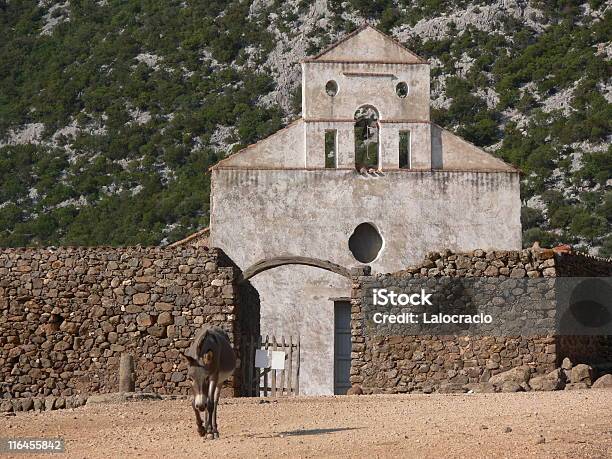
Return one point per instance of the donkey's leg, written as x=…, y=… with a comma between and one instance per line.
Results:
x=205, y=408
x=201, y=429
x=217, y=395
x=210, y=405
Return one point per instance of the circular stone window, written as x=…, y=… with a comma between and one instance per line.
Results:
x=365, y=243
x=331, y=88
x=401, y=89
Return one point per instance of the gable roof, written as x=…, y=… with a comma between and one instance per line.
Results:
x=451, y=152
x=367, y=44
x=197, y=239
x=277, y=150
x=283, y=150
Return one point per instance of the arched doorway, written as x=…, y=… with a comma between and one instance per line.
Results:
x=269, y=263
x=304, y=300
x=366, y=138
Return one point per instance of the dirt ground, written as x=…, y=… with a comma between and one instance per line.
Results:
x=545, y=424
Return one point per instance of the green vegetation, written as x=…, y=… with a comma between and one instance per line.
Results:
x=525, y=68
x=330, y=149
x=133, y=182
x=149, y=83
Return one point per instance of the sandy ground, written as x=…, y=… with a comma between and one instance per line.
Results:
x=553, y=424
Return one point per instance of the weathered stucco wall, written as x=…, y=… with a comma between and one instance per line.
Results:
x=313, y=213
x=302, y=145
x=367, y=44
x=258, y=214
x=67, y=315
x=451, y=152
x=261, y=211
x=295, y=300
x=420, y=144
x=277, y=150
x=365, y=84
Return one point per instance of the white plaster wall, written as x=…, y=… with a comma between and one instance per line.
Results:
x=420, y=134
x=314, y=134
x=258, y=214
x=420, y=144
x=369, y=45
x=296, y=301
x=355, y=91
x=302, y=145
x=284, y=148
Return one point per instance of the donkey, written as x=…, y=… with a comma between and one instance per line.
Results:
x=211, y=362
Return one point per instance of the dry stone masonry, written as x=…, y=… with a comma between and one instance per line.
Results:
x=67, y=315
x=448, y=363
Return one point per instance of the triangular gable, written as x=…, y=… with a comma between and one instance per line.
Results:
x=451, y=152
x=367, y=44
x=283, y=149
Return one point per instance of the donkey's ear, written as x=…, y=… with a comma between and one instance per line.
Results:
x=190, y=360
x=208, y=358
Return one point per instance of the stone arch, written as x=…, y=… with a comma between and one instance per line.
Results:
x=270, y=263
x=367, y=138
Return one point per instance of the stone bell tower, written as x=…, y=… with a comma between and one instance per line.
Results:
x=367, y=70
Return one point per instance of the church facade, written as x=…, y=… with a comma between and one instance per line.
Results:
x=363, y=178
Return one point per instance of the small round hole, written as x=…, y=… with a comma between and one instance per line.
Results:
x=401, y=89
x=331, y=88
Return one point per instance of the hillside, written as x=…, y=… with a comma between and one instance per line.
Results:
x=111, y=111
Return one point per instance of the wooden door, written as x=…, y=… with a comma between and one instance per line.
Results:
x=342, y=347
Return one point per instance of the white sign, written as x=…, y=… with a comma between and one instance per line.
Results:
x=266, y=358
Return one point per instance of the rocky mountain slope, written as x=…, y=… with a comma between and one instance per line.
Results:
x=111, y=111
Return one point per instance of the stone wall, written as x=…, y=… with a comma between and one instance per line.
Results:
x=593, y=350
x=426, y=362
x=580, y=265
x=67, y=315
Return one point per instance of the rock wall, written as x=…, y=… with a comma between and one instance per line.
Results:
x=579, y=265
x=425, y=363
x=592, y=350
x=67, y=315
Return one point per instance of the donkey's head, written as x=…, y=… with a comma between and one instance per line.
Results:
x=199, y=372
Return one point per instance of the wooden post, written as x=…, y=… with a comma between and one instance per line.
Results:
x=257, y=377
x=274, y=394
x=266, y=345
x=297, y=371
x=290, y=367
x=127, y=380
x=282, y=375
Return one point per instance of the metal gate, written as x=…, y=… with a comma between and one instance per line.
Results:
x=268, y=381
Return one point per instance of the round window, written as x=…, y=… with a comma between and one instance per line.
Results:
x=331, y=88
x=401, y=89
x=365, y=243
